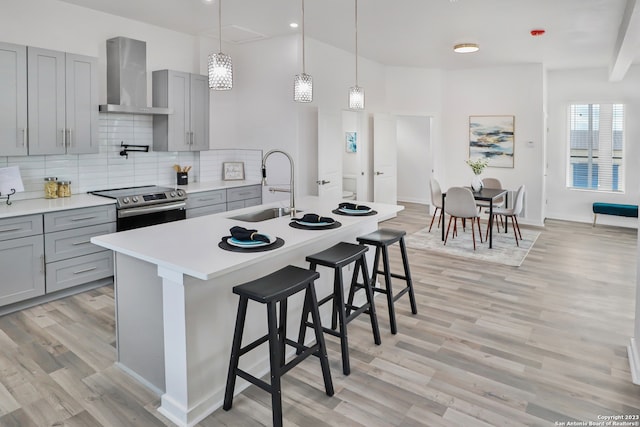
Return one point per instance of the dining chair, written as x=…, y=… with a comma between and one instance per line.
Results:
x=461, y=204
x=497, y=203
x=512, y=213
x=436, y=201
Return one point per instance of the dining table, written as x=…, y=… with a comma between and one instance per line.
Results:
x=487, y=195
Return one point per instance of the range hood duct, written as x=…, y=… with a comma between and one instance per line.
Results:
x=127, y=78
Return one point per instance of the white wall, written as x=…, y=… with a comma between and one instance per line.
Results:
x=52, y=24
x=590, y=86
x=414, y=158
x=266, y=116
x=508, y=90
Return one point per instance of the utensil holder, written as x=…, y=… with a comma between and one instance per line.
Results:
x=183, y=178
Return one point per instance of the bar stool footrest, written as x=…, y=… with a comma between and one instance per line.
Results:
x=254, y=380
x=251, y=346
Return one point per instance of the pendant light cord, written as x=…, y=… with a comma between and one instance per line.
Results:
x=303, y=58
x=356, y=19
x=220, y=23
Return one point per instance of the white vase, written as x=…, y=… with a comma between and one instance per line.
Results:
x=476, y=183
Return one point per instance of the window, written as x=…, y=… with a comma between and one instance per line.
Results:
x=596, y=146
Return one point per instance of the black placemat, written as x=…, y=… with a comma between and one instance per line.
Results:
x=334, y=224
x=339, y=212
x=227, y=247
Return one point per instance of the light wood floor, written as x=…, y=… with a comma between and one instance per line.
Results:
x=490, y=346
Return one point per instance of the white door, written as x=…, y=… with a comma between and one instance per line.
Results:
x=385, y=163
x=330, y=146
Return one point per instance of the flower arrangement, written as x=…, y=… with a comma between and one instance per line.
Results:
x=478, y=165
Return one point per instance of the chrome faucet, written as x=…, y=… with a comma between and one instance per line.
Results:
x=292, y=202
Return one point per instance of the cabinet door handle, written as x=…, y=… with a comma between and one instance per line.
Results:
x=84, y=242
x=187, y=138
x=192, y=138
x=85, y=270
x=83, y=218
x=379, y=173
x=64, y=137
x=68, y=137
x=24, y=137
x=6, y=230
x=212, y=199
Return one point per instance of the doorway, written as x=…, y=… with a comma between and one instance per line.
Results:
x=414, y=158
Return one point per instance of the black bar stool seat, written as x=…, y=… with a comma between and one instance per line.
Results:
x=337, y=257
x=272, y=290
x=382, y=239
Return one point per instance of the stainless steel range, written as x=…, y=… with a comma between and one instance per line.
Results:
x=148, y=205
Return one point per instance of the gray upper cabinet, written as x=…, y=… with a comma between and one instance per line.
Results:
x=62, y=102
x=13, y=100
x=187, y=129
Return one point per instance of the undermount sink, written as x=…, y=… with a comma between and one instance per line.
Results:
x=263, y=215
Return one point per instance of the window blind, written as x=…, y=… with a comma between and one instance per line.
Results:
x=596, y=146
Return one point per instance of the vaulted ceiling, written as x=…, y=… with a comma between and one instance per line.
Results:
x=420, y=33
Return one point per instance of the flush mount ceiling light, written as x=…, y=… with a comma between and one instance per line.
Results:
x=294, y=25
x=303, y=83
x=356, y=93
x=220, y=64
x=466, y=48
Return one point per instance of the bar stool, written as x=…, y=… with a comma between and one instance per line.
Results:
x=382, y=239
x=270, y=290
x=337, y=257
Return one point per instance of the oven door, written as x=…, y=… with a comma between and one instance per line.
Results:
x=129, y=219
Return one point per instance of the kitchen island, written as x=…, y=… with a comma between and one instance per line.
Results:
x=175, y=310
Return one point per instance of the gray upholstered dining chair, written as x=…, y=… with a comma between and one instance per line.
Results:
x=511, y=213
x=491, y=183
x=436, y=201
x=460, y=203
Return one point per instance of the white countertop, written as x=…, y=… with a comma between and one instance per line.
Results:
x=191, y=247
x=82, y=200
x=40, y=206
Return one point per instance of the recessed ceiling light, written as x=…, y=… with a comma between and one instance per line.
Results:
x=466, y=48
x=294, y=25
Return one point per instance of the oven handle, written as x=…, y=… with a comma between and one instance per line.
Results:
x=124, y=213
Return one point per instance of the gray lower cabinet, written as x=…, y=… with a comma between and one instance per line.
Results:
x=243, y=197
x=206, y=203
x=71, y=258
x=13, y=100
x=21, y=259
x=216, y=201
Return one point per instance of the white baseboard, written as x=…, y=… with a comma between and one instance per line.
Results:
x=634, y=361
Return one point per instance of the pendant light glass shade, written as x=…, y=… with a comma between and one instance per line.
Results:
x=220, y=71
x=303, y=88
x=356, y=93
x=356, y=98
x=220, y=64
x=303, y=83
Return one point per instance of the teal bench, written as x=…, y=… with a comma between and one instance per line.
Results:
x=614, y=209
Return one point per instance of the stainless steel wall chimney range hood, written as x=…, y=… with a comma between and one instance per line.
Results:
x=127, y=78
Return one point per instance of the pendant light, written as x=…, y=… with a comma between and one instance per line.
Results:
x=220, y=65
x=356, y=93
x=303, y=83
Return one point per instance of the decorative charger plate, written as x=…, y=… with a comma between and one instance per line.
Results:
x=224, y=244
x=301, y=225
x=250, y=243
x=354, y=212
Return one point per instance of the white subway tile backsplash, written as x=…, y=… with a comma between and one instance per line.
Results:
x=107, y=169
